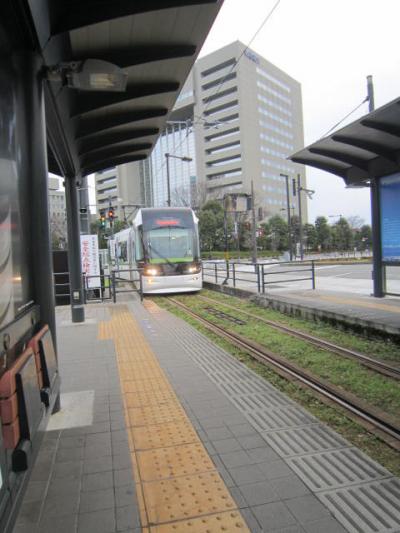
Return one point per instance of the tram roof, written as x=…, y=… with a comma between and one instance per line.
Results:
x=368, y=147
x=155, y=42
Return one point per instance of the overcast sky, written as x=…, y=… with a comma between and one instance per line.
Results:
x=329, y=46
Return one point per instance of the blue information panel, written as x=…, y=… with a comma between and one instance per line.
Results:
x=390, y=217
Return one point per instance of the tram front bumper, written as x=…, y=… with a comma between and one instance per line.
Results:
x=164, y=284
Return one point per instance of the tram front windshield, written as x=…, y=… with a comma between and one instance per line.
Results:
x=170, y=239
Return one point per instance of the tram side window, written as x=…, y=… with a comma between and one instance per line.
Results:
x=123, y=251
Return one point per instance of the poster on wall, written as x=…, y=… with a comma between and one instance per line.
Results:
x=390, y=217
x=90, y=260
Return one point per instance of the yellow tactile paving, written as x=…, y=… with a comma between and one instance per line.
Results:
x=163, y=463
x=178, y=487
x=230, y=522
x=172, y=499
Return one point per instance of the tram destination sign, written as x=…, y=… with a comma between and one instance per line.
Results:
x=390, y=217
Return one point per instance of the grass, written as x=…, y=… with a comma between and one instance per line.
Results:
x=377, y=390
x=382, y=350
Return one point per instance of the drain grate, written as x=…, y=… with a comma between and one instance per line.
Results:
x=367, y=508
x=225, y=316
x=336, y=469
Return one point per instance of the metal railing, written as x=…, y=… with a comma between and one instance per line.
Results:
x=259, y=273
x=97, y=294
x=135, y=281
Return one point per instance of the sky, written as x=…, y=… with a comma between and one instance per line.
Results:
x=329, y=46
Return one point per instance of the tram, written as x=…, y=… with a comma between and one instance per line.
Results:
x=164, y=244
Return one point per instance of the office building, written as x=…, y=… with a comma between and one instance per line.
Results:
x=245, y=119
x=237, y=123
x=57, y=213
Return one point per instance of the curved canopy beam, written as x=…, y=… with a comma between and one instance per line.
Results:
x=67, y=15
x=93, y=101
x=108, y=163
x=110, y=139
x=392, y=129
x=139, y=55
x=375, y=148
x=91, y=126
x=322, y=166
x=117, y=151
x=340, y=156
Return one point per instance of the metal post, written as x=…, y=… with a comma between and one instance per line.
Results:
x=141, y=286
x=299, y=189
x=168, y=182
x=262, y=279
x=226, y=243
x=84, y=204
x=370, y=90
x=114, y=289
x=377, y=273
x=254, y=229
x=216, y=272
x=258, y=279
x=74, y=250
x=233, y=274
x=289, y=221
x=313, y=274
x=34, y=186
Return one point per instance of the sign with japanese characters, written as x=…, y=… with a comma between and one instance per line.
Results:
x=90, y=260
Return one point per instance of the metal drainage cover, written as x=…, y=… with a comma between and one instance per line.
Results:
x=367, y=508
x=335, y=469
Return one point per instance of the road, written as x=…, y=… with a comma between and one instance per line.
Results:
x=352, y=278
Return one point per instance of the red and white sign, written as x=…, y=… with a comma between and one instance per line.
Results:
x=90, y=260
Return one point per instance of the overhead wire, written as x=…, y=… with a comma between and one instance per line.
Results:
x=204, y=119
x=345, y=117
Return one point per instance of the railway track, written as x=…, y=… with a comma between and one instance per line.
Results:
x=370, y=417
x=365, y=360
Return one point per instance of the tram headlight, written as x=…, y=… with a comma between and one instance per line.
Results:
x=151, y=271
x=193, y=268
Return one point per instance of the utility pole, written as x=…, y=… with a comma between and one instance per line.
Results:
x=168, y=182
x=289, y=220
x=299, y=189
x=253, y=225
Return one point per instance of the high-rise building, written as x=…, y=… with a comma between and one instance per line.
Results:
x=124, y=187
x=237, y=120
x=246, y=118
x=57, y=213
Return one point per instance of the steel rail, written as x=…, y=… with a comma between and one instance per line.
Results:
x=368, y=415
x=369, y=362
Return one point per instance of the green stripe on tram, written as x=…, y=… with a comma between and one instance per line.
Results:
x=159, y=260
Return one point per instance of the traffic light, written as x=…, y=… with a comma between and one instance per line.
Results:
x=294, y=186
x=102, y=220
x=111, y=214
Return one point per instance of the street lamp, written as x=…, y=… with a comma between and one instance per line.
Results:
x=182, y=158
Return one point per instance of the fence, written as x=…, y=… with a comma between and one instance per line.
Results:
x=260, y=274
x=131, y=275
x=97, y=294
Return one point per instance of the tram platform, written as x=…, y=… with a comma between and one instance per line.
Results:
x=162, y=431
x=375, y=316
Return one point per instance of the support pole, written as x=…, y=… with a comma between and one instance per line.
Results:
x=377, y=268
x=289, y=219
x=299, y=189
x=74, y=250
x=34, y=180
x=377, y=272
x=168, y=182
x=253, y=227
x=84, y=204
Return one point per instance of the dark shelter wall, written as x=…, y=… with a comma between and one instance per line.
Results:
x=15, y=283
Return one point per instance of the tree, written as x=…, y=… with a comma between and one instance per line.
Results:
x=275, y=234
x=324, y=235
x=342, y=236
x=211, y=226
x=363, y=238
x=355, y=222
x=310, y=237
